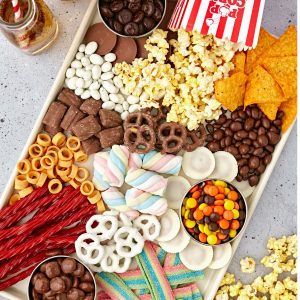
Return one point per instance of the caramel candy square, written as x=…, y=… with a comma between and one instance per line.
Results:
x=109, y=118
x=86, y=128
x=111, y=136
x=69, y=98
x=91, y=106
x=54, y=115
x=91, y=145
x=72, y=116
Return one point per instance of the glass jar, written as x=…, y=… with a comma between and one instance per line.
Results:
x=35, y=31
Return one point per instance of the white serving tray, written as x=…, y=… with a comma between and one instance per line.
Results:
x=208, y=286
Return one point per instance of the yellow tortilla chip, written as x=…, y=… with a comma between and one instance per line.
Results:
x=230, y=91
x=284, y=71
x=239, y=62
x=262, y=88
x=264, y=42
x=290, y=112
x=269, y=109
x=285, y=46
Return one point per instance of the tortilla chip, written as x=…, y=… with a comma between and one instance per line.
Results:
x=284, y=71
x=262, y=88
x=231, y=91
x=239, y=62
x=264, y=42
x=269, y=109
x=285, y=46
x=290, y=112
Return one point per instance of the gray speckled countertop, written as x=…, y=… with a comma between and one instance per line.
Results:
x=25, y=82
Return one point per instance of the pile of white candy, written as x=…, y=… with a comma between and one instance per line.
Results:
x=91, y=75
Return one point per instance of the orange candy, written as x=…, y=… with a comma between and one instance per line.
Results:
x=221, y=236
x=236, y=206
x=221, y=190
x=228, y=215
x=206, y=189
x=213, y=191
x=220, y=197
x=224, y=224
x=219, y=210
x=194, y=189
x=202, y=237
x=232, y=195
x=196, y=195
x=218, y=242
x=235, y=224
x=207, y=210
x=219, y=202
x=198, y=214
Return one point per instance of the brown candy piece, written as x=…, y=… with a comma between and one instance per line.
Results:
x=125, y=50
x=104, y=37
x=111, y=136
x=68, y=97
x=68, y=265
x=79, y=271
x=91, y=145
x=52, y=130
x=72, y=116
x=141, y=51
x=172, y=137
x=109, y=118
x=195, y=139
x=75, y=294
x=68, y=282
x=91, y=106
x=61, y=296
x=87, y=287
x=87, y=277
x=42, y=285
x=52, y=269
x=57, y=285
x=86, y=128
x=36, y=276
x=54, y=115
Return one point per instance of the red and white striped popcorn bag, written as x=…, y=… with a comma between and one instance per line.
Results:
x=236, y=20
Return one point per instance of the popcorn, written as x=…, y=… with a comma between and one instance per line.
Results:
x=282, y=258
x=247, y=265
x=186, y=86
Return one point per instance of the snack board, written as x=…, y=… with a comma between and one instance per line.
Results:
x=209, y=285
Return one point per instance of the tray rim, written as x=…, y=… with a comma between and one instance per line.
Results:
x=210, y=287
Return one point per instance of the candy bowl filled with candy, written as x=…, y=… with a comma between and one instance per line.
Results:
x=62, y=277
x=132, y=18
x=213, y=212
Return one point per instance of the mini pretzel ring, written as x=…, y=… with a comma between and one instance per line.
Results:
x=73, y=143
x=91, y=253
x=140, y=139
x=65, y=154
x=23, y=166
x=113, y=262
x=59, y=139
x=82, y=174
x=129, y=242
x=54, y=186
x=172, y=137
x=53, y=154
x=36, y=164
x=195, y=138
x=47, y=162
x=43, y=139
x=87, y=188
x=33, y=177
x=149, y=226
x=35, y=150
x=104, y=226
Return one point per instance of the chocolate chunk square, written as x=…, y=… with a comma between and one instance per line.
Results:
x=109, y=118
x=91, y=145
x=72, y=116
x=111, y=136
x=54, y=115
x=69, y=98
x=53, y=130
x=91, y=106
x=86, y=128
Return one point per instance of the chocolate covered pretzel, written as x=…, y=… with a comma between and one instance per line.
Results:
x=195, y=138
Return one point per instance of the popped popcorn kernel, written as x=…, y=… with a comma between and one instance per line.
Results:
x=247, y=265
x=228, y=279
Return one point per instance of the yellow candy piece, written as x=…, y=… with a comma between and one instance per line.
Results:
x=201, y=227
x=182, y=210
x=186, y=214
x=212, y=239
x=206, y=230
x=232, y=233
x=202, y=205
x=236, y=213
x=227, y=190
x=190, y=223
x=229, y=205
x=221, y=183
x=191, y=203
